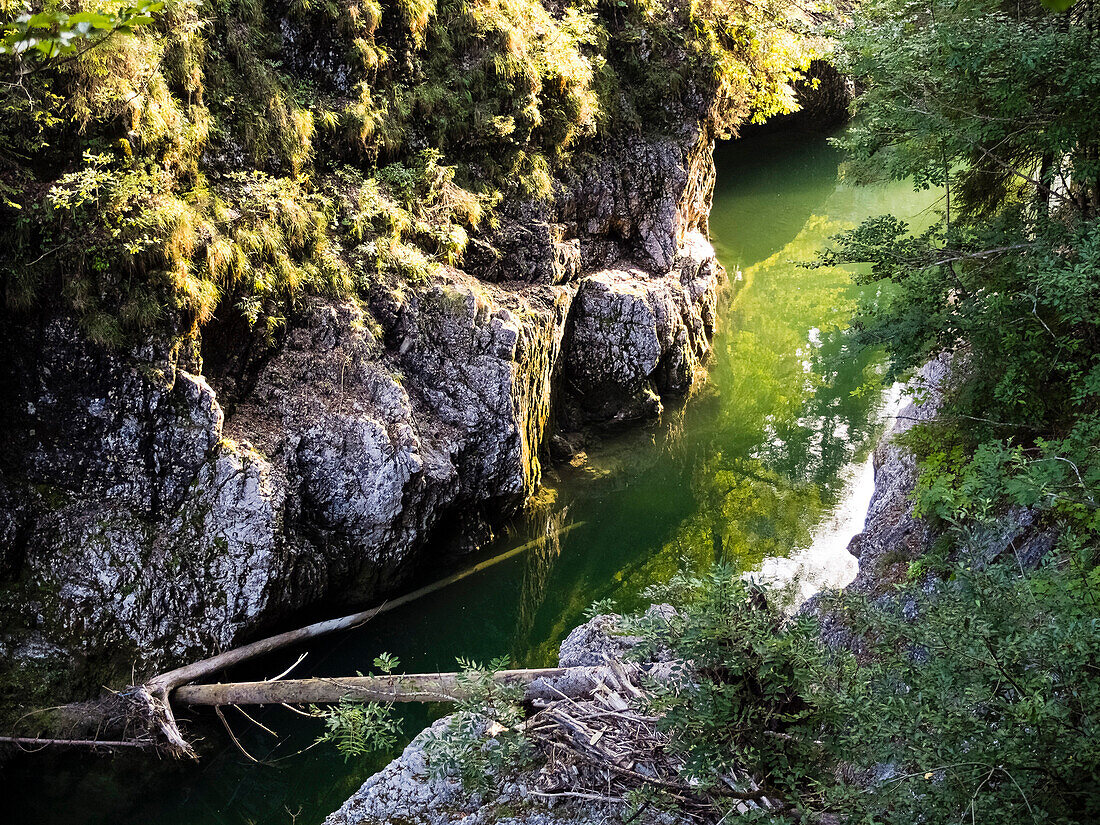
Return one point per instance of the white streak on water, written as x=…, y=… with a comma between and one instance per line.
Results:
x=826, y=564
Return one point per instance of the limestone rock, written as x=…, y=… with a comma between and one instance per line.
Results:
x=170, y=501
x=530, y=244
x=635, y=339
x=640, y=200
x=598, y=641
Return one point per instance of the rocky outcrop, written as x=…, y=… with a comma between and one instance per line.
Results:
x=157, y=509
x=638, y=201
x=635, y=339
x=408, y=790
x=405, y=791
x=894, y=537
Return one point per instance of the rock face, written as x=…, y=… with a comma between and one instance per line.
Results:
x=635, y=339
x=155, y=511
x=893, y=537
x=891, y=534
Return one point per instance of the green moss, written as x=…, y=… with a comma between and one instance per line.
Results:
x=204, y=164
x=52, y=497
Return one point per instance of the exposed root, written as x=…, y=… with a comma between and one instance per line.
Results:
x=154, y=709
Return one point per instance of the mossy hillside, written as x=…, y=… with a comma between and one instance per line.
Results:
x=238, y=154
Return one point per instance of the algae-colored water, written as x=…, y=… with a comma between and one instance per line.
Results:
x=747, y=469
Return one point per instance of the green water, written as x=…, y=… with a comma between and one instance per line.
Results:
x=746, y=469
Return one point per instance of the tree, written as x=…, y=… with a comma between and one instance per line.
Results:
x=52, y=33
x=995, y=103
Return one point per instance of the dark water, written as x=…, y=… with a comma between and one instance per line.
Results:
x=746, y=469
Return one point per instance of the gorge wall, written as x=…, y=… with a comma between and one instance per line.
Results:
x=168, y=501
x=294, y=292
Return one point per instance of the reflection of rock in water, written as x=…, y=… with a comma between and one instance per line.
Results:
x=675, y=430
x=536, y=576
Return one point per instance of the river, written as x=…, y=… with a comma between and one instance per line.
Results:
x=767, y=461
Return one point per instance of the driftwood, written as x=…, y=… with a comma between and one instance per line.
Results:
x=148, y=705
x=603, y=745
x=540, y=685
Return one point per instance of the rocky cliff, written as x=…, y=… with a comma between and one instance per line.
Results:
x=164, y=502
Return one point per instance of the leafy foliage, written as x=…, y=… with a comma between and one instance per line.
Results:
x=996, y=107
x=213, y=161
x=462, y=748
x=751, y=681
x=53, y=33
x=985, y=707
x=359, y=728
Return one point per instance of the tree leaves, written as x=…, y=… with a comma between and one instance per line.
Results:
x=53, y=33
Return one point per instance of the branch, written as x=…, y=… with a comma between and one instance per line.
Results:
x=994, y=251
x=84, y=743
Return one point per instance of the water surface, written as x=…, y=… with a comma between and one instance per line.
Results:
x=749, y=469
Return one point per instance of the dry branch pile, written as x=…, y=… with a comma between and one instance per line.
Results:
x=606, y=745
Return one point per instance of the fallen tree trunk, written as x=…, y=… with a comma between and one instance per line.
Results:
x=29, y=743
x=540, y=685
x=172, y=679
x=147, y=709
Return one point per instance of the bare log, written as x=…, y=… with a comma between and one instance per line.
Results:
x=540, y=685
x=172, y=679
x=147, y=706
x=32, y=742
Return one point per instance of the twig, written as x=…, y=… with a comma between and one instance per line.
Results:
x=233, y=736
x=576, y=795
x=260, y=725
x=299, y=712
x=962, y=256
x=285, y=672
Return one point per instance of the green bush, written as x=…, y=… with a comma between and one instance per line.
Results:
x=977, y=698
